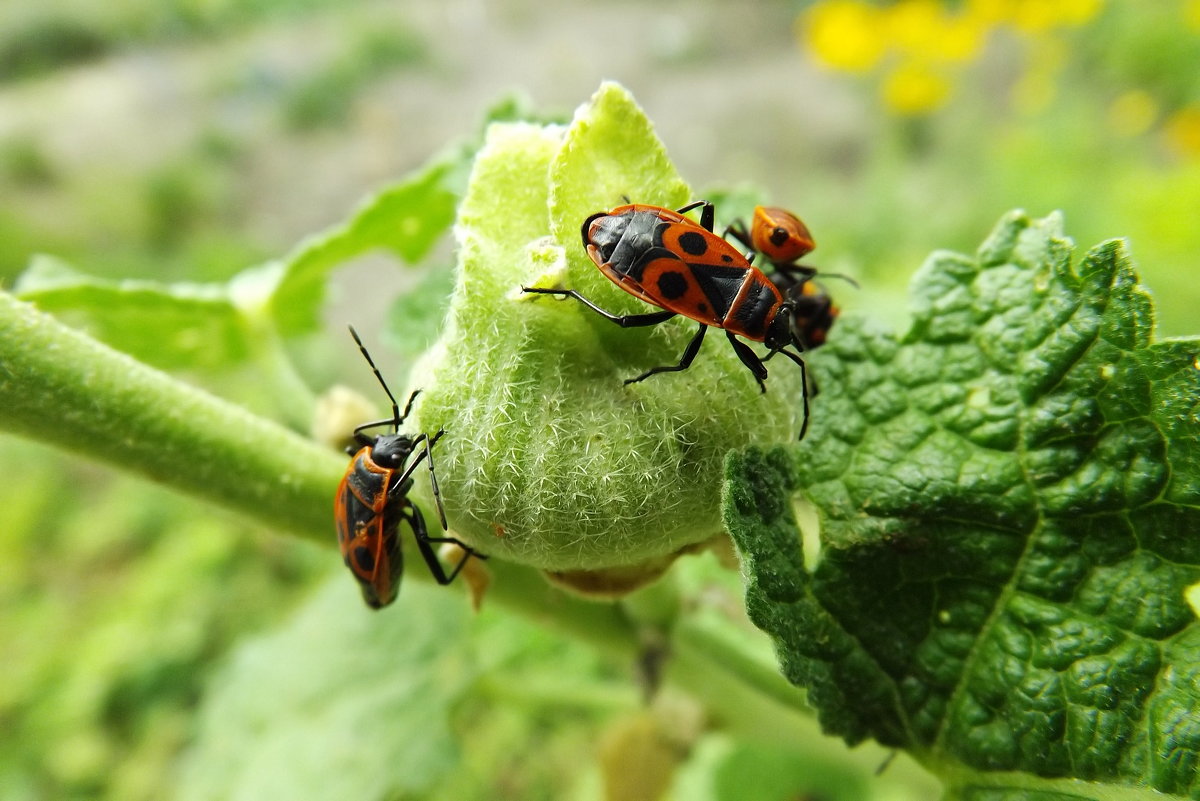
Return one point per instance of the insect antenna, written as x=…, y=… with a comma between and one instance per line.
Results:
x=397, y=418
x=807, y=273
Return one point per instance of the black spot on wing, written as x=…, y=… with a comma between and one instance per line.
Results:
x=364, y=559
x=693, y=243
x=672, y=285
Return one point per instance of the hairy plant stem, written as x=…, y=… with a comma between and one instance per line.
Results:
x=59, y=386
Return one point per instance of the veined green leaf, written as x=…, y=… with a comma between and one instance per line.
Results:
x=405, y=219
x=1008, y=502
x=176, y=326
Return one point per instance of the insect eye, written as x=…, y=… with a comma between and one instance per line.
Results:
x=779, y=235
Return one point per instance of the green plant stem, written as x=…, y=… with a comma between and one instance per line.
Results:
x=602, y=625
x=61, y=387
x=698, y=641
x=294, y=400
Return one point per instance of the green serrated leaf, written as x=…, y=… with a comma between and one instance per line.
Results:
x=415, y=318
x=406, y=219
x=176, y=326
x=549, y=458
x=1009, y=526
x=341, y=703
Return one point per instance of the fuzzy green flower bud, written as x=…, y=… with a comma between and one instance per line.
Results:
x=549, y=458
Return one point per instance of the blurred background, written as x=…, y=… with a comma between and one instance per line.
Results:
x=186, y=140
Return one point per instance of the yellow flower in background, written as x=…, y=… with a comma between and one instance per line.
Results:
x=1183, y=131
x=914, y=43
x=844, y=34
x=961, y=39
x=924, y=28
x=990, y=12
x=1034, y=16
x=1132, y=112
x=914, y=24
x=1078, y=12
x=1191, y=14
x=914, y=88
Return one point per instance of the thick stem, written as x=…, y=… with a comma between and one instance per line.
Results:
x=62, y=387
x=698, y=642
x=59, y=386
x=602, y=625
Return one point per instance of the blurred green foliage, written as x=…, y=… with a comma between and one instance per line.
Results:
x=129, y=610
x=47, y=43
x=39, y=38
x=23, y=160
x=118, y=598
x=325, y=97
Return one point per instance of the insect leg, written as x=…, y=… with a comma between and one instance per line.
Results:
x=412, y=466
x=792, y=277
x=365, y=440
x=749, y=358
x=397, y=418
x=737, y=229
x=798, y=274
x=625, y=321
x=803, y=385
x=437, y=495
x=425, y=546
x=708, y=213
x=684, y=362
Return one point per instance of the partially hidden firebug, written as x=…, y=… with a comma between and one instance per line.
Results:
x=780, y=236
x=372, y=502
x=683, y=267
x=782, y=239
x=813, y=310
